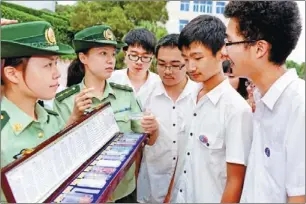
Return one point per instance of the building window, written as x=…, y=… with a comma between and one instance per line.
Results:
x=184, y=5
x=220, y=7
x=202, y=6
x=182, y=24
x=195, y=6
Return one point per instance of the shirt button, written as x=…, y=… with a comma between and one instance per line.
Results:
x=173, y=107
x=174, y=142
x=194, y=114
x=40, y=135
x=181, y=190
x=185, y=172
x=188, y=153
x=173, y=125
x=173, y=158
x=191, y=134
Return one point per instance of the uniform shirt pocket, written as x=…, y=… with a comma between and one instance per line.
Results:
x=213, y=144
x=211, y=141
x=274, y=163
x=122, y=119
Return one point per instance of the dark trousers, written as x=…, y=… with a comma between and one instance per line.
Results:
x=132, y=198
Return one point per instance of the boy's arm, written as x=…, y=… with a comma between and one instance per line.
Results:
x=234, y=183
x=238, y=139
x=168, y=196
x=295, y=156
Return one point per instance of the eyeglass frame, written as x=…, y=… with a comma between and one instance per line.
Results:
x=238, y=42
x=139, y=57
x=165, y=67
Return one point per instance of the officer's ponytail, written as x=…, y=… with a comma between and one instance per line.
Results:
x=76, y=71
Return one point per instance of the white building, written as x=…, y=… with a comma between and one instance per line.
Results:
x=181, y=12
x=38, y=5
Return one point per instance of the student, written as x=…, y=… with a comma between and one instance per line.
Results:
x=139, y=54
x=260, y=37
x=170, y=102
x=212, y=166
x=29, y=72
x=96, y=48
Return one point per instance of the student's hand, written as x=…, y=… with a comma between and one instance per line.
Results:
x=82, y=101
x=149, y=123
x=7, y=21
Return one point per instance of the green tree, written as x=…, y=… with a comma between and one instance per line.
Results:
x=122, y=16
x=300, y=68
x=159, y=30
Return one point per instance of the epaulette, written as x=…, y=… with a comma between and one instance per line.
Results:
x=4, y=118
x=67, y=92
x=51, y=112
x=122, y=87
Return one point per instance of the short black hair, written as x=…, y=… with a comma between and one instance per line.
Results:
x=226, y=66
x=170, y=40
x=277, y=22
x=205, y=29
x=140, y=37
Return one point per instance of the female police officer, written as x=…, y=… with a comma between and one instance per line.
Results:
x=29, y=72
x=30, y=51
x=96, y=48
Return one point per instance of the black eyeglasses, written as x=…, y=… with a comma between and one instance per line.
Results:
x=227, y=43
x=171, y=67
x=135, y=58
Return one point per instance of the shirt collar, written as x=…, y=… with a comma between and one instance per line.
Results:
x=278, y=87
x=107, y=90
x=215, y=94
x=150, y=77
x=19, y=120
x=188, y=89
x=159, y=89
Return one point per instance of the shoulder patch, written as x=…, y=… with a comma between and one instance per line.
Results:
x=122, y=87
x=67, y=92
x=4, y=118
x=51, y=112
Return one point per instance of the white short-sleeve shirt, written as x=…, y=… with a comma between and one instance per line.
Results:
x=121, y=77
x=159, y=160
x=220, y=131
x=277, y=158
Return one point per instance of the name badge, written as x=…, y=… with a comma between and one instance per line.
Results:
x=122, y=110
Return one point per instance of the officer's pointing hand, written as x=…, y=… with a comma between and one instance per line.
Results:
x=82, y=101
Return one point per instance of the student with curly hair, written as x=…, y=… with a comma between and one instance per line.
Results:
x=260, y=37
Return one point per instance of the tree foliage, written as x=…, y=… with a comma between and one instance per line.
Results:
x=300, y=68
x=24, y=14
x=122, y=16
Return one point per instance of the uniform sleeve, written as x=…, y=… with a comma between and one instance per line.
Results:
x=135, y=108
x=295, y=153
x=62, y=109
x=238, y=136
